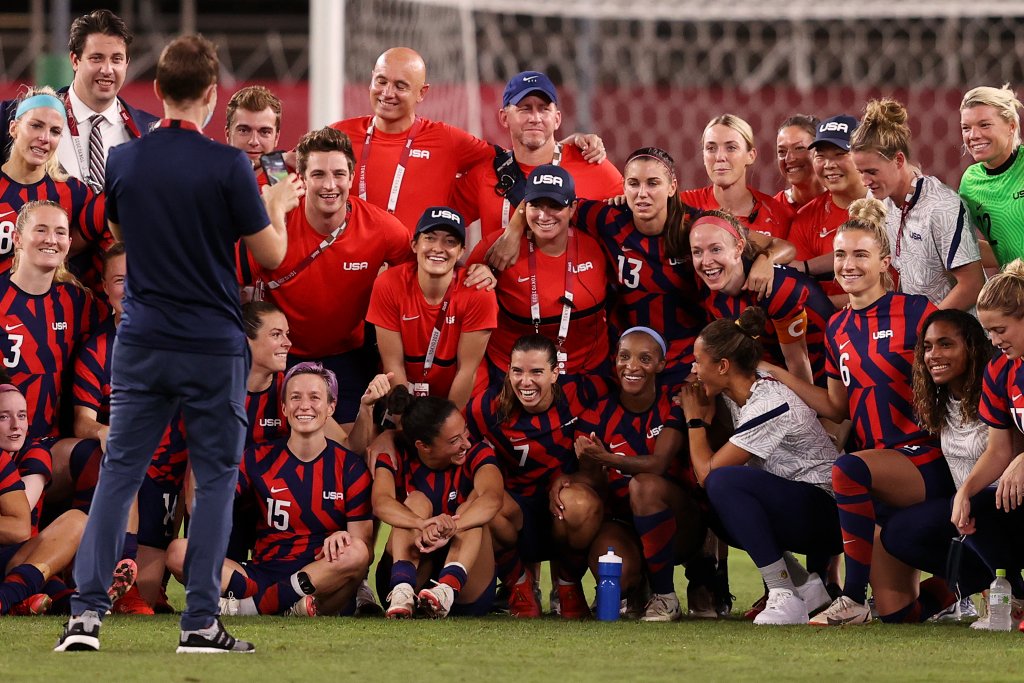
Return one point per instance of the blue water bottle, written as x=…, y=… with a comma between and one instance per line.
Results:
x=609, y=591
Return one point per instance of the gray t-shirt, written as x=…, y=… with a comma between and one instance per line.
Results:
x=962, y=442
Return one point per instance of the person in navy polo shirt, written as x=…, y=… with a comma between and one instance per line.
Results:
x=179, y=201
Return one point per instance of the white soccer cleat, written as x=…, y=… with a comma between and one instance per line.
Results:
x=814, y=594
x=783, y=608
x=401, y=602
x=844, y=611
x=437, y=601
x=1016, y=616
x=234, y=607
x=303, y=607
x=662, y=607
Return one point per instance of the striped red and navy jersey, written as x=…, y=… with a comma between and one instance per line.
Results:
x=630, y=434
x=43, y=331
x=1002, y=394
x=534, y=448
x=35, y=458
x=10, y=478
x=794, y=296
x=92, y=390
x=446, y=489
x=871, y=350
x=86, y=212
x=302, y=503
x=266, y=422
x=653, y=289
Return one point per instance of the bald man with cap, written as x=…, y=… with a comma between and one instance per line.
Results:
x=404, y=162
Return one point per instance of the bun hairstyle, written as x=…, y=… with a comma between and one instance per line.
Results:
x=868, y=215
x=422, y=418
x=737, y=340
x=389, y=411
x=52, y=166
x=734, y=122
x=253, y=313
x=733, y=227
x=1002, y=99
x=883, y=129
x=1004, y=293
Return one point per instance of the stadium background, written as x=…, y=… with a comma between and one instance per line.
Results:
x=636, y=73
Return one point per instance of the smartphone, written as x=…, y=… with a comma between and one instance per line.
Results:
x=274, y=166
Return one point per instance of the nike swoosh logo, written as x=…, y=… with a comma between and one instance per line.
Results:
x=283, y=488
x=1017, y=396
x=617, y=445
x=839, y=622
x=826, y=233
x=13, y=327
x=529, y=79
x=850, y=541
x=523, y=279
x=6, y=214
x=843, y=345
x=414, y=317
x=626, y=249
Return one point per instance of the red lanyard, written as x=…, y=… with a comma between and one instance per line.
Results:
x=567, y=301
x=908, y=204
x=83, y=162
x=177, y=123
x=396, y=183
x=327, y=241
x=435, y=334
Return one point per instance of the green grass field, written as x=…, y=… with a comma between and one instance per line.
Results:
x=502, y=649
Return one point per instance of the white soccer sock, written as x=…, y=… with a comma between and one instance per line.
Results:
x=776, y=575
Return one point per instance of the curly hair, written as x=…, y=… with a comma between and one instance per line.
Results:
x=931, y=399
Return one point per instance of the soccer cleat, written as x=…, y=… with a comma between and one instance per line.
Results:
x=132, y=602
x=1016, y=616
x=783, y=608
x=81, y=633
x=436, y=602
x=212, y=640
x=967, y=608
x=814, y=594
x=124, y=578
x=571, y=602
x=303, y=607
x=522, y=600
x=162, y=604
x=234, y=607
x=843, y=611
x=723, y=597
x=662, y=607
x=950, y=613
x=700, y=602
x=756, y=608
x=366, y=602
x=401, y=602
x=32, y=606
x=553, y=601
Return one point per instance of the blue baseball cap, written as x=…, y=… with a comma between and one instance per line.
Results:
x=550, y=182
x=442, y=218
x=526, y=83
x=836, y=131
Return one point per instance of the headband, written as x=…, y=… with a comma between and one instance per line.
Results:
x=43, y=100
x=719, y=223
x=654, y=335
x=663, y=162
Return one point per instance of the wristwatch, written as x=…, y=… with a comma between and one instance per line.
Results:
x=696, y=423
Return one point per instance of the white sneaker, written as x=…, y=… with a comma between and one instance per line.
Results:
x=233, y=607
x=814, y=594
x=1016, y=616
x=304, y=607
x=843, y=611
x=437, y=601
x=662, y=607
x=401, y=602
x=951, y=613
x=967, y=608
x=784, y=607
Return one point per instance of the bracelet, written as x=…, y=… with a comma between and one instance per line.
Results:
x=807, y=268
x=696, y=423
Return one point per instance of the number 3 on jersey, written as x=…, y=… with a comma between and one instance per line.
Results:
x=14, y=358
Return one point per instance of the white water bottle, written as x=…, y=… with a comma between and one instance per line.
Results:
x=999, y=603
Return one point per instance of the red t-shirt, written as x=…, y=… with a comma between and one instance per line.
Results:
x=587, y=340
x=439, y=152
x=397, y=304
x=813, y=230
x=475, y=197
x=768, y=216
x=326, y=302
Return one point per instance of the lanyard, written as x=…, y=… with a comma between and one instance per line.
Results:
x=908, y=204
x=328, y=241
x=567, y=302
x=396, y=183
x=76, y=143
x=177, y=123
x=506, y=205
x=435, y=334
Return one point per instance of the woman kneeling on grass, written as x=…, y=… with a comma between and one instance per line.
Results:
x=438, y=491
x=783, y=500
x=313, y=543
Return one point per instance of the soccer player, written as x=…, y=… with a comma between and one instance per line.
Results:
x=253, y=124
x=529, y=112
x=950, y=359
x=558, y=285
x=990, y=126
x=438, y=491
x=313, y=539
x=797, y=310
x=432, y=330
x=816, y=222
x=783, y=500
x=654, y=511
x=870, y=352
x=936, y=249
x=728, y=148
x=793, y=151
x=183, y=201
x=990, y=515
x=529, y=420
x=98, y=118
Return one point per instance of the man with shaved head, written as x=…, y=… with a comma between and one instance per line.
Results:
x=404, y=162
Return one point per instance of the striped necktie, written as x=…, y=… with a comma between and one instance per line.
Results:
x=97, y=157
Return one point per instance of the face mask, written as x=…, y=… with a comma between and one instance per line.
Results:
x=209, y=117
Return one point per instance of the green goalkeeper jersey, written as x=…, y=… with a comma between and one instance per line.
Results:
x=995, y=198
